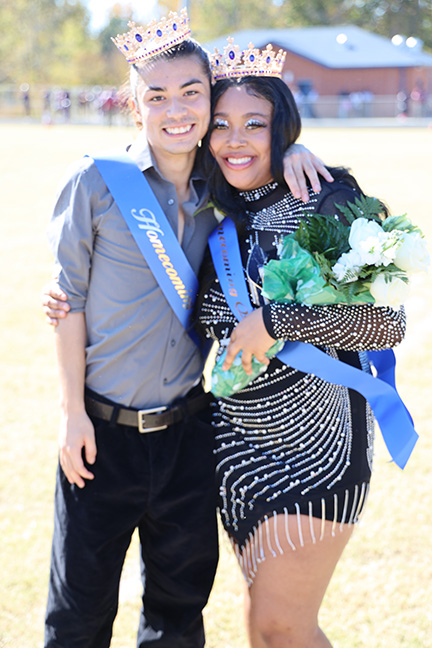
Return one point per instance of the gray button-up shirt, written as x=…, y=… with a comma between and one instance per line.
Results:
x=138, y=354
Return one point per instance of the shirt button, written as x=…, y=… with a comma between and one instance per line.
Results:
x=171, y=201
x=173, y=343
x=165, y=380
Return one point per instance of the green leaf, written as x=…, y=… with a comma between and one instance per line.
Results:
x=400, y=223
x=362, y=207
x=324, y=235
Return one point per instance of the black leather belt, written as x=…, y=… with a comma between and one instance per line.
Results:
x=147, y=420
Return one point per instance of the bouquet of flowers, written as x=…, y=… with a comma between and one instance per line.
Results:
x=366, y=259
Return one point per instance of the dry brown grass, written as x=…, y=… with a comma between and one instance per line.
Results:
x=381, y=594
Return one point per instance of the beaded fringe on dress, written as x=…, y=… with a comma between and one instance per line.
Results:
x=265, y=532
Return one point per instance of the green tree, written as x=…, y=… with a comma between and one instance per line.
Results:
x=165, y=6
x=73, y=47
x=210, y=20
x=315, y=12
x=390, y=17
x=387, y=17
x=45, y=41
x=113, y=65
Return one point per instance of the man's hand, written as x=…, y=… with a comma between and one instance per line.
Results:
x=54, y=303
x=76, y=429
x=76, y=435
x=249, y=336
x=299, y=162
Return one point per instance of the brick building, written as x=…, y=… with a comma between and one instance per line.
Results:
x=346, y=71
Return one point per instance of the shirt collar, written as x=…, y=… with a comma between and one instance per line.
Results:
x=141, y=154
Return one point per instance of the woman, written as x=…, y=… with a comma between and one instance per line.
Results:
x=293, y=453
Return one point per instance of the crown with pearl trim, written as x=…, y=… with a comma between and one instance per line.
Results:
x=250, y=62
x=140, y=43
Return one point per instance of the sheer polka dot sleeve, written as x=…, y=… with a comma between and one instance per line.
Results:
x=350, y=328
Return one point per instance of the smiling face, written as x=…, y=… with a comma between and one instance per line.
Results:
x=240, y=140
x=173, y=105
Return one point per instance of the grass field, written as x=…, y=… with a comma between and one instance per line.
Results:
x=381, y=595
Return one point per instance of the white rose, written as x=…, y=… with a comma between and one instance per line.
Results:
x=412, y=254
x=362, y=229
x=389, y=291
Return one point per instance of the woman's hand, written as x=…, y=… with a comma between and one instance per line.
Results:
x=54, y=302
x=300, y=163
x=249, y=336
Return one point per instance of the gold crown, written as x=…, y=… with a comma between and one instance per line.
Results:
x=252, y=61
x=140, y=43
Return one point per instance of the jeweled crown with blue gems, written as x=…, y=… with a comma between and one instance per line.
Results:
x=250, y=62
x=139, y=43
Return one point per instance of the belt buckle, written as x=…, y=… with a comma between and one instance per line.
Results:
x=141, y=419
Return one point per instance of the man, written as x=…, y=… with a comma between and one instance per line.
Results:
x=122, y=351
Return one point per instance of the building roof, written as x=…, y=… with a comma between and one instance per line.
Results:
x=338, y=46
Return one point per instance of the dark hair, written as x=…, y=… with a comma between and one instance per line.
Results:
x=285, y=130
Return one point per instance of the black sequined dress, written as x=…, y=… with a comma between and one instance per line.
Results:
x=291, y=443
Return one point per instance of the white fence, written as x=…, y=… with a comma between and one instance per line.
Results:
x=87, y=105
x=104, y=105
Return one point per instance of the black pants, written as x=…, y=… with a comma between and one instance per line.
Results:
x=163, y=484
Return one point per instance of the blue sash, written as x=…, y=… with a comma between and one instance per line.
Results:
x=152, y=233
x=390, y=412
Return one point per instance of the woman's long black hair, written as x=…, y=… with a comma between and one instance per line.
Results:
x=285, y=130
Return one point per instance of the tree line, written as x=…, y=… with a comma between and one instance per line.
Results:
x=50, y=41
